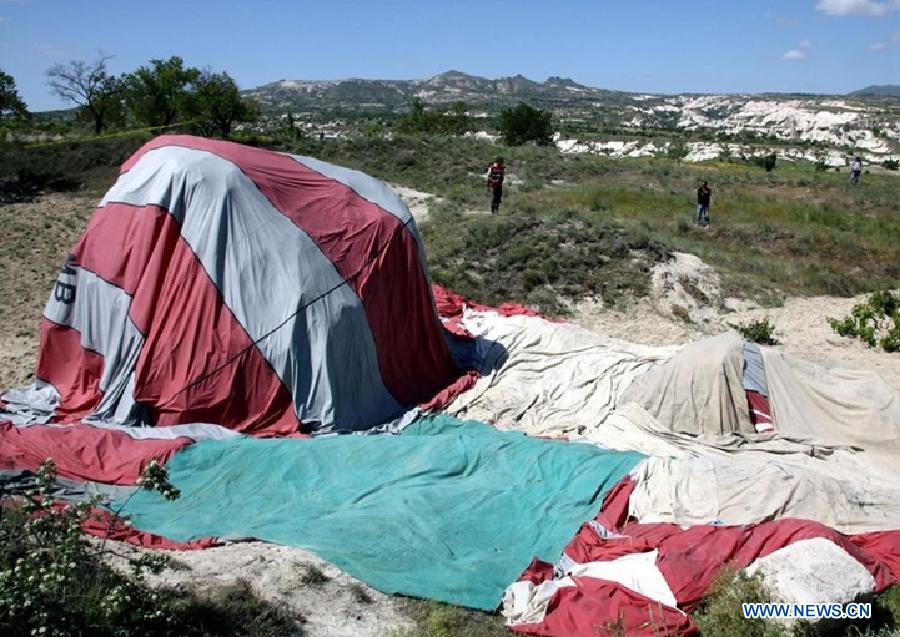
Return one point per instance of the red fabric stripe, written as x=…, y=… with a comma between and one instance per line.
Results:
x=690, y=559
x=614, y=512
x=82, y=452
x=190, y=332
x=120, y=239
x=760, y=411
x=884, y=545
x=599, y=608
x=102, y=523
x=464, y=383
x=368, y=247
x=74, y=371
x=450, y=305
x=188, y=328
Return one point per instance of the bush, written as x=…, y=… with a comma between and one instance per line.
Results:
x=875, y=322
x=757, y=331
x=677, y=151
x=720, y=615
x=765, y=161
x=54, y=582
x=891, y=164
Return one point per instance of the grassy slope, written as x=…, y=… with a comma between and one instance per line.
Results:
x=792, y=231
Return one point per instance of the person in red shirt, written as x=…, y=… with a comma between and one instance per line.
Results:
x=495, y=175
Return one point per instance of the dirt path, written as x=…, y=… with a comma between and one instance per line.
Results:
x=417, y=201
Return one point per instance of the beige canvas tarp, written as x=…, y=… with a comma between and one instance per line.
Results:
x=556, y=378
x=700, y=390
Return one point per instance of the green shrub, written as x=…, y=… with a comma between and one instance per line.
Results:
x=875, y=322
x=54, y=582
x=891, y=164
x=721, y=616
x=757, y=331
x=313, y=575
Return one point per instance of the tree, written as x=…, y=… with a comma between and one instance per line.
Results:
x=458, y=121
x=10, y=102
x=677, y=151
x=525, y=123
x=158, y=94
x=765, y=161
x=90, y=87
x=217, y=104
x=420, y=120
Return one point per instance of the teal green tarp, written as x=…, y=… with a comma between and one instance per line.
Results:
x=450, y=510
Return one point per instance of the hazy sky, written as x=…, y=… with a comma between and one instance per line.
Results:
x=828, y=46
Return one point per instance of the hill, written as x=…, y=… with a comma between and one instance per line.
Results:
x=878, y=90
x=445, y=88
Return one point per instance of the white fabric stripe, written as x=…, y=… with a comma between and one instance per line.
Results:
x=266, y=269
x=195, y=431
x=99, y=312
x=635, y=571
x=525, y=603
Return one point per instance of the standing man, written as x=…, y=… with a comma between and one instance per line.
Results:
x=703, y=195
x=855, y=171
x=495, y=175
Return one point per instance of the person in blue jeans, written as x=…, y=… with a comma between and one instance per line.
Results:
x=855, y=171
x=703, y=195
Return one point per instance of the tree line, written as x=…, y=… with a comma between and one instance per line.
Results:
x=518, y=125
x=158, y=94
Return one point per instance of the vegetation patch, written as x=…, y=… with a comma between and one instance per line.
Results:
x=538, y=259
x=55, y=582
x=435, y=619
x=313, y=575
x=761, y=332
x=876, y=321
x=720, y=614
x=359, y=593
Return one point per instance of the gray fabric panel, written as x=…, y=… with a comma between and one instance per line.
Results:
x=267, y=269
x=20, y=481
x=34, y=404
x=124, y=411
x=754, y=369
x=99, y=313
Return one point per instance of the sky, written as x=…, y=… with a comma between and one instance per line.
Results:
x=661, y=46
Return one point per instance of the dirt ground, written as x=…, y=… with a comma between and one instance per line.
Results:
x=334, y=606
x=36, y=239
